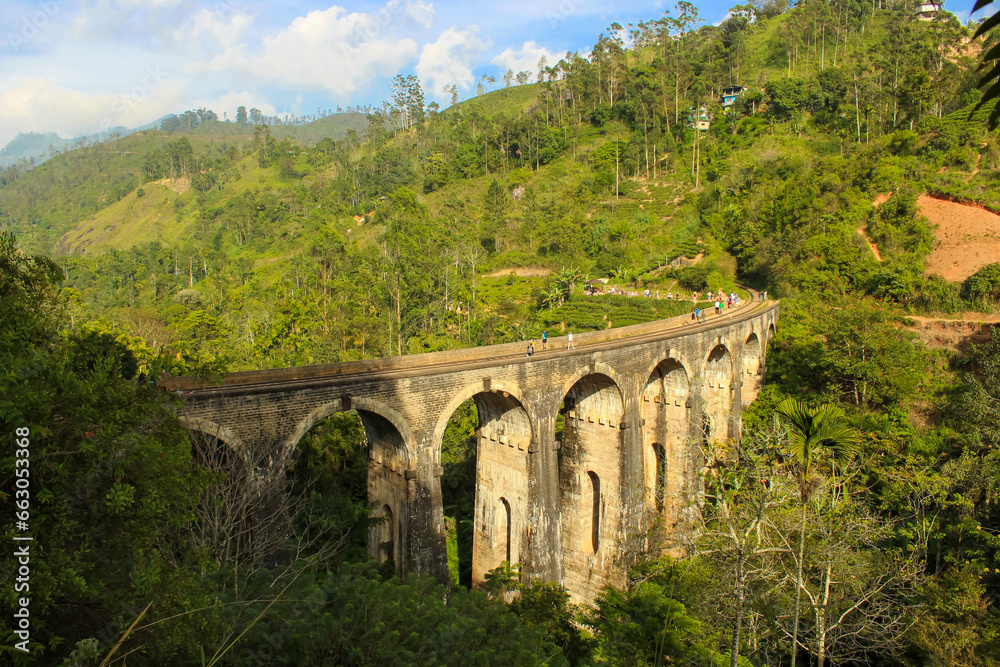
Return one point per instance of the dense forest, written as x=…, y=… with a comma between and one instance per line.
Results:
x=854, y=522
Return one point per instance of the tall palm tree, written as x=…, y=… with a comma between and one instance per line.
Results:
x=812, y=431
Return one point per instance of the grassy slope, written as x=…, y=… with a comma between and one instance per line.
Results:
x=126, y=223
x=73, y=187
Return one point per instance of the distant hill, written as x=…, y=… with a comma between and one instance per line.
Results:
x=334, y=126
x=37, y=147
x=75, y=184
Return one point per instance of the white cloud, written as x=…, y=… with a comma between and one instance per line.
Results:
x=525, y=59
x=209, y=26
x=130, y=20
x=325, y=50
x=421, y=13
x=33, y=103
x=451, y=59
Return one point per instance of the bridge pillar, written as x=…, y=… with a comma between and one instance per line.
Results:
x=593, y=519
x=667, y=442
x=542, y=558
x=502, y=530
x=428, y=551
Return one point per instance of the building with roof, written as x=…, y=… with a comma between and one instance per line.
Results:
x=729, y=95
x=928, y=9
x=701, y=120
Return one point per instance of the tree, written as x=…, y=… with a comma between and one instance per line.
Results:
x=111, y=480
x=983, y=287
x=740, y=537
x=643, y=626
x=496, y=201
x=507, y=78
x=241, y=115
x=407, y=106
x=811, y=431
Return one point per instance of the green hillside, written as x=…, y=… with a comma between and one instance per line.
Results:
x=595, y=168
x=862, y=486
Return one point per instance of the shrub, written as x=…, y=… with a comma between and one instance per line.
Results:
x=983, y=286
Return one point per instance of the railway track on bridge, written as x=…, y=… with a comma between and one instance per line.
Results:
x=344, y=373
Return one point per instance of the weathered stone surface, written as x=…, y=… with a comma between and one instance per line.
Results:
x=635, y=403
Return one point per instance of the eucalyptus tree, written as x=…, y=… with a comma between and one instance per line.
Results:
x=812, y=432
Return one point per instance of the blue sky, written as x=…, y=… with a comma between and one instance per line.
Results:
x=79, y=66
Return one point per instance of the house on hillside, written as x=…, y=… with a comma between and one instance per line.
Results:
x=928, y=9
x=699, y=121
x=729, y=95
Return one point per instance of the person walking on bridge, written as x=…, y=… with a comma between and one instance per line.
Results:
x=569, y=342
x=545, y=340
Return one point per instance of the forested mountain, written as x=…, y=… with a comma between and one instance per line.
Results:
x=210, y=246
x=28, y=149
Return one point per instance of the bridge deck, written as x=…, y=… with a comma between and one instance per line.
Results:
x=277, y=379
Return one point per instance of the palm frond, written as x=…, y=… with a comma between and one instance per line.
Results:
x=992, y=78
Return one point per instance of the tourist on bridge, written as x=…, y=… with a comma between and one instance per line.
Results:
x=531, y=349
x=545, y=340
x=569, y=342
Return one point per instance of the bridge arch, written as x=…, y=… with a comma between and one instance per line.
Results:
x=212, y=429
x=362, y=405
x=666, y=407
x=464, y=394
x=596, y=368
x=389, y=471
x=233, y=458
x=504, y=434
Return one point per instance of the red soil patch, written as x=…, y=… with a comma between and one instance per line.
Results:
x=521, y=272
x=871, y=246
x=967, y=238
x=881, y=199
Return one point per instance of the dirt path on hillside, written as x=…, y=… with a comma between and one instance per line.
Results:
x=871, y=246
x=953, y=334
x=520, y=272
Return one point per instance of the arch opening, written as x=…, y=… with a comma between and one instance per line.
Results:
x=484, y=487
x=232, y=522
x=595, y=511
x=504, y=528
x=387, y=541
x=355, y=458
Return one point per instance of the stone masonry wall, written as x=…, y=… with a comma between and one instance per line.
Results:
x=621, y=392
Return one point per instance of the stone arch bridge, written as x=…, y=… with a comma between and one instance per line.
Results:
x=632, y=405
